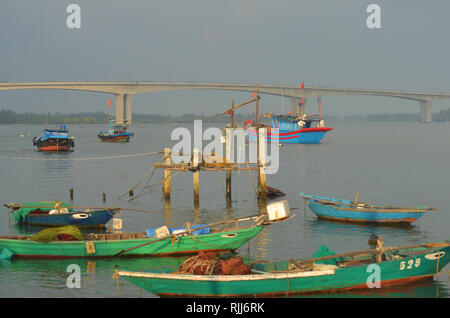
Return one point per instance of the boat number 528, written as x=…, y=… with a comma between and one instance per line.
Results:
x=409, y=264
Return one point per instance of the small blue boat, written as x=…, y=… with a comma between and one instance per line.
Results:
x=355, y=211
x=48, y=214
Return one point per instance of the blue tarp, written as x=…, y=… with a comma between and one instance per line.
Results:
x=151, y=232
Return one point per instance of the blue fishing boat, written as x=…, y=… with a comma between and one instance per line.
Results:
x=298, y=129
x=115, y=133
x=362, y=212
x=59, y=214
x=293, y=130
x=54, y=140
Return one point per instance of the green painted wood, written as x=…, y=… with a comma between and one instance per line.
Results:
x=414, y=264
x=229, y=240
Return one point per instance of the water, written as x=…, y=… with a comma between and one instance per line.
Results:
x=394, y=163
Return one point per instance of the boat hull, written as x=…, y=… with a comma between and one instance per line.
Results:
x=342, y=211
x=392, y=273
x=115, y=138
x=301, y=136
x=364, y=216
x=108, y=248
x=54, y=144
x=81, y=219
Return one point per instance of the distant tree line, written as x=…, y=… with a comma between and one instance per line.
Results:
x=11, y=117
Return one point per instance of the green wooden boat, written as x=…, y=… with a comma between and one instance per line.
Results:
x=223, y=236
x=354, y=270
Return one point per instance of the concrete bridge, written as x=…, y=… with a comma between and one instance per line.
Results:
x=123, y=92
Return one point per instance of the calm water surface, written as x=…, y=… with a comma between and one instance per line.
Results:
x=394, y=163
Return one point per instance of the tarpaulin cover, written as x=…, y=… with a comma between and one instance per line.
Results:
x=50, y=234
x=21, y=213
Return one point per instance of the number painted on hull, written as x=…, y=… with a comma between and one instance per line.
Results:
x=409, y=264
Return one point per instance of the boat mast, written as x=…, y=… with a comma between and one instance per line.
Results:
x=46, y=115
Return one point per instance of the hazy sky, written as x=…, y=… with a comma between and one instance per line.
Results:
x=243, y=41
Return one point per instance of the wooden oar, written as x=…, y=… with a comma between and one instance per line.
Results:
x=188, y=231
x=372, y=251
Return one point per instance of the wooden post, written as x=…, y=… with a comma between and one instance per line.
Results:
x=262, y=162
x=228, y=159
x=167, y=174
x=196, y=177
x=104, y=197
x=257, y=142
x=357, y=198
x=232, y=114
x=71, y=194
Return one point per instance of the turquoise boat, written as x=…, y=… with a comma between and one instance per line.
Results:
x=222, y=236
x=362, y=212
x=371, y=269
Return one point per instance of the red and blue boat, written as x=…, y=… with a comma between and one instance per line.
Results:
x=54, y=140
x=361, y=212
x=293, y=129
x=116, y=133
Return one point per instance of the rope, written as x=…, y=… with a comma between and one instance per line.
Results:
x=143, y=178
x=82, y=159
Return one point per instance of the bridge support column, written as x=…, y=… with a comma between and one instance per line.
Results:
x=128, y=109
x=425, y=111
x=296, y=108
x=119, y=109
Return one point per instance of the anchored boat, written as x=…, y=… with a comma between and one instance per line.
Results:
x=298, y=129
x=117, y=133
x=363, y=212
x=332, y=273
x=54, y=140
x=222, y=236
x=57, y=213
x=293, y=129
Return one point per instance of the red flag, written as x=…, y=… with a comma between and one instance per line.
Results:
x=303, y=85
x=253, y=94
x=109, y=103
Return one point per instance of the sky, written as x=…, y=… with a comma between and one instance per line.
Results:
x=320, y=42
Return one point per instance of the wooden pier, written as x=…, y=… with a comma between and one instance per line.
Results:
x=199, y=162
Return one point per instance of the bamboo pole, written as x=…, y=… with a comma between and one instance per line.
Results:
x=196, y=177
x=167, y=174
x=357, y=198
x=257, y=143
x=228, y=159
x=262, y=161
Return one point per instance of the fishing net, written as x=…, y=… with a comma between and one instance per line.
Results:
x=64, y=233
x=208, y=263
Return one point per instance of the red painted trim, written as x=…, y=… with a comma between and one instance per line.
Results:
x=405, y=220
x=304, y=130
